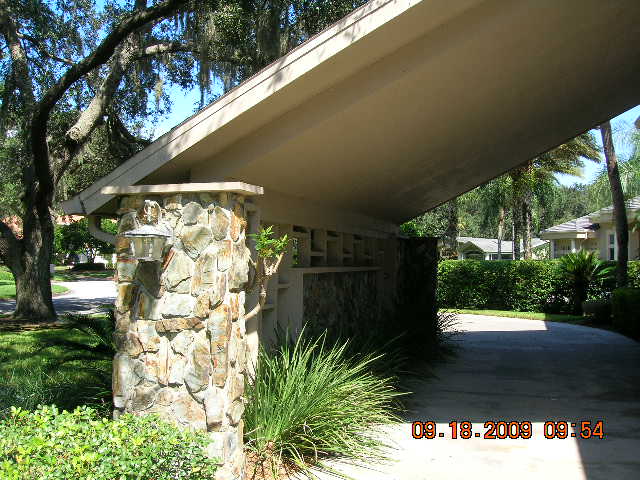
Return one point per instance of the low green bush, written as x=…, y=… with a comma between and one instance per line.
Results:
x=79, y=445
x=521, y=285
x=626, y=310
x=309, y=400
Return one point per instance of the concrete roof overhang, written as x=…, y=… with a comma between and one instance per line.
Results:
x=405, y=104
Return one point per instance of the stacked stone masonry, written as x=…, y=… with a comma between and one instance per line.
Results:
x=180, y=336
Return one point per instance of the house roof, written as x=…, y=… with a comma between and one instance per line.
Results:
x=585, y=223
x=490, y=245
x=404, y=104
x=580, y=224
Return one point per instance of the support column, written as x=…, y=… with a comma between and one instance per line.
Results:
x=180, y=336
x=573, y=245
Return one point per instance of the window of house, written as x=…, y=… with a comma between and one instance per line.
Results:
x=612, y=246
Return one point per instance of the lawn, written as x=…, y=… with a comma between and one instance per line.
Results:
x=31, y=374
x=64, y=274
x=549, y=317
x=8, y=286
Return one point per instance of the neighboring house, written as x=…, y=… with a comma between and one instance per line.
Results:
x=487, y=248
x=594, y=232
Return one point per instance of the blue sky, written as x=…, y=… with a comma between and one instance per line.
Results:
x=620, y=125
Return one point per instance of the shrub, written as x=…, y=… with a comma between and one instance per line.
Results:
x=626, y=310
x=89, y=267
x=81, y=446
x=581, y=269
x=310, y=400
x=599, y=310
x=521, y=285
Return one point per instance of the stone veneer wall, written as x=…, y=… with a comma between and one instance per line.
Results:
x=180, y=336
x=342, y=300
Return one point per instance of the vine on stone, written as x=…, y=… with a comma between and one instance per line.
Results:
x=270, y=251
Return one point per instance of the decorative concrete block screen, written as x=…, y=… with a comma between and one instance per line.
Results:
x=180, y=334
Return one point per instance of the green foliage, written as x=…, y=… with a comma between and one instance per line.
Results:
x=625, y=304
x=75, y=238
x=79, y=445
x=266, y=245
x=581, y=269
x=522, y=285
x=310, y=400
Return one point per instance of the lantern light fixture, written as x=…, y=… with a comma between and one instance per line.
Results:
x=147, y=242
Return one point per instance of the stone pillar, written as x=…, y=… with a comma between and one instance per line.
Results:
x=180, y=336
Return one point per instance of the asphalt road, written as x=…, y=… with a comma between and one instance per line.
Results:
x=524, y=371
x=84, y=296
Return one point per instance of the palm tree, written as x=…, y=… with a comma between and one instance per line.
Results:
x=568, y=158
x=619, y=209
x=581, y=269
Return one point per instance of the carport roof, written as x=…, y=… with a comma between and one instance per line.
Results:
x=404, y=104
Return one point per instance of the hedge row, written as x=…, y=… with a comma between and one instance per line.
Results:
x=523, y=285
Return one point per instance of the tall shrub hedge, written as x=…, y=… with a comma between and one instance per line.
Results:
x=523, y=285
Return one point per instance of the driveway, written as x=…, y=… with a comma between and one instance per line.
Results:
x=523, y=370
x=84, y=296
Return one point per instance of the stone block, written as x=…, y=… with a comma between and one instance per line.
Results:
x=148, y=275
x=238, y=222
x=144, y=397
x=177, y=370
x=128, y=222
x=236, y=389
x=214, y=407
x=219, y=221
x=195, y=238
x=239, y=275
x=147, y=307
x=126, y=375
x=181, y=342
x=203, y=305
x=148, y=336
x=149, y=212
x=215, y=448
x=125, y=295
x=127, y=342
x=173, y=202
x=178, y=305
x=123, y=244
x=224, y=255
x=193, y=213
x=198, y=370
x=178, y=271
x=188, y=412
x=123, y=321
x=234, y=414
x=126, y=269
x=163, y=365
x=174, y=325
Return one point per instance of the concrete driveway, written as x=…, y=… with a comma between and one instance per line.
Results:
x=523, y=370
x=84, y=296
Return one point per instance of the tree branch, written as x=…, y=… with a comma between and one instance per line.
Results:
x=99, y=56
x=167, y=47
x=36, y=43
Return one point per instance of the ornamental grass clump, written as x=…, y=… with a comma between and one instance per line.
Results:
x=308, y=401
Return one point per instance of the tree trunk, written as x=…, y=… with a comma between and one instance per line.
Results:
x=526, y=226
x=451, y=234
x=500, y=230
x=619, y=209
x=517, y=230
x=29, y=260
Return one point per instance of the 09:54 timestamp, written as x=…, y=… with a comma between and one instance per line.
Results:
x=511, y=429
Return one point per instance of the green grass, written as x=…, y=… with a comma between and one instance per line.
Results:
x=31, y=375
x=64, y=274
x=549, y=317
x=8, y=289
